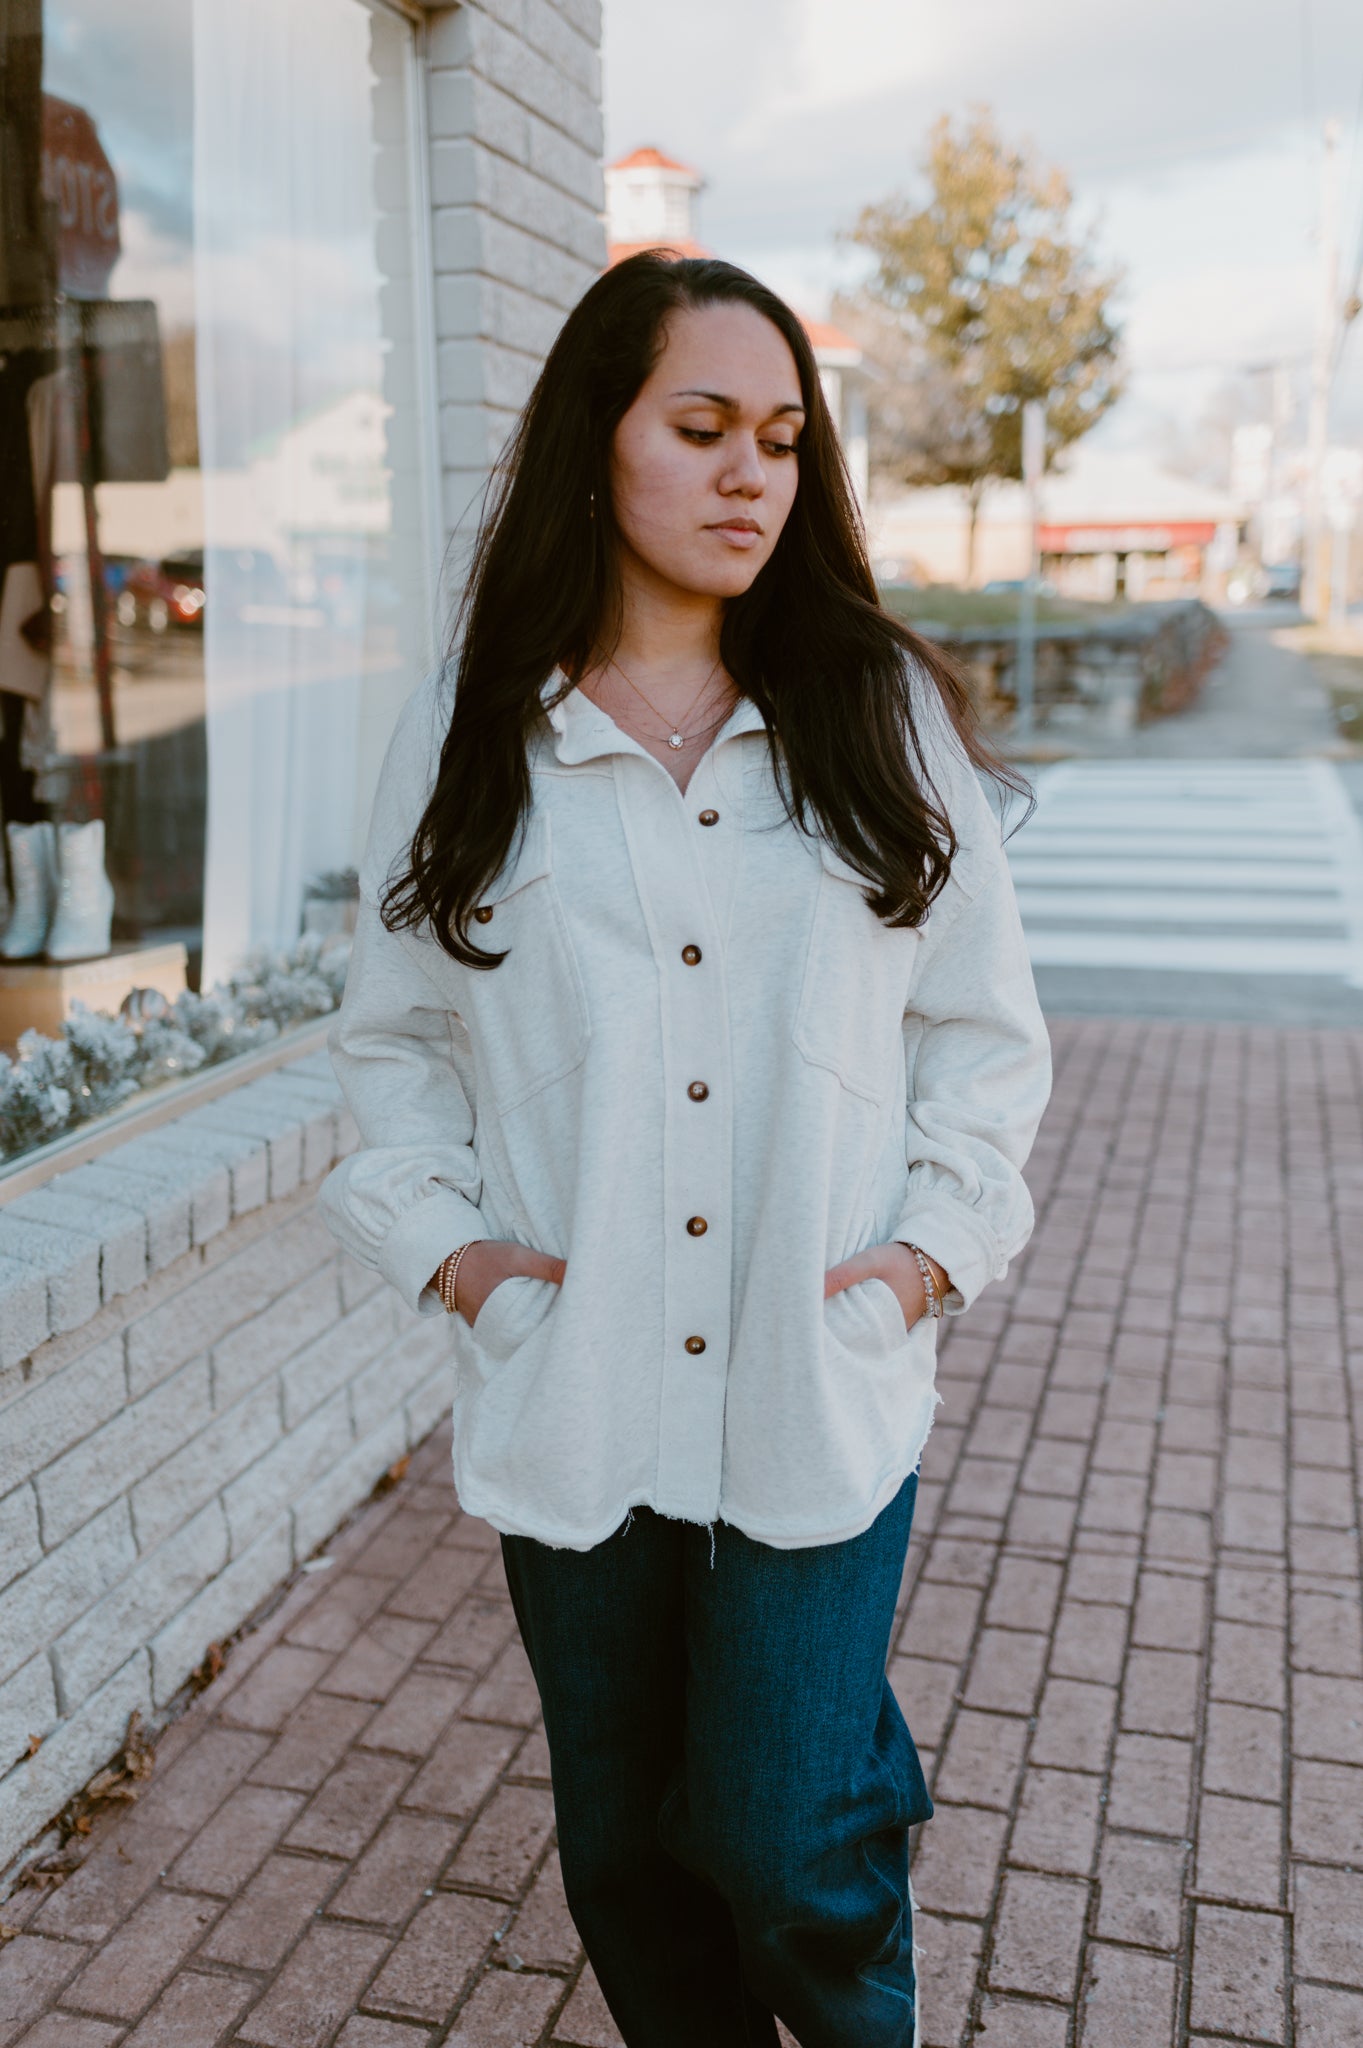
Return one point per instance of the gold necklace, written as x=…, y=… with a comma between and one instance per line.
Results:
x=675, y=738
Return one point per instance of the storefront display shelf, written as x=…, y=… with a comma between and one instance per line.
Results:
x=157, y=1106
x=38, y=995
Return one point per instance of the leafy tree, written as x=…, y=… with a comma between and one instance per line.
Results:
x=182, y=409
x=980, y=299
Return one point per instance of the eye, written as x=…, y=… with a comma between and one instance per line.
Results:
x=781, y=447
x=702, y=436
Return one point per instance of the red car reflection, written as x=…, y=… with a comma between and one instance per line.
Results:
x=165, y=593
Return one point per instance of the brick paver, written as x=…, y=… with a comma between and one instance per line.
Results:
x=1130, y=1646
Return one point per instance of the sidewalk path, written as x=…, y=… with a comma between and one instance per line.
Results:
x=1262, y=701
x=1129, y=1648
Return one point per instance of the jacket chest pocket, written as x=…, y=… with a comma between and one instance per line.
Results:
x=527, y=1017
x=856, y=981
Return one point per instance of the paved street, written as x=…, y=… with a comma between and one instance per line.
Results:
x=1207, y=866
x=1129, y=1646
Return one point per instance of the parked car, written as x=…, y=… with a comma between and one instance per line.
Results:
x=1010, y=586
x=165, y=593
x=1281, y=580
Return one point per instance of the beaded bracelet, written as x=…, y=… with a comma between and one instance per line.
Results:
x=448, y=1273
x=933, y=1298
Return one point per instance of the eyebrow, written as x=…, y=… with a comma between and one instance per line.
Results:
x=732, y=404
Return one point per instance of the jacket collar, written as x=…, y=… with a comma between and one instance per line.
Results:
x=583, y=732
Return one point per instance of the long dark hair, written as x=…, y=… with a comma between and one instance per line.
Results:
x=808, y=642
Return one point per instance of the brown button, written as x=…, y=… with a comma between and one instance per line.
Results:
x=483, y=913
x=709, y=817
x=698, y=1091
x=697, y=1225
x=691, y=955
x=695, y=1345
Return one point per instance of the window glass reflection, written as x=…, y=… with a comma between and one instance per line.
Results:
x=213, y=527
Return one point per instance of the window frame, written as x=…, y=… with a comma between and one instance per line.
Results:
x=33, y=1169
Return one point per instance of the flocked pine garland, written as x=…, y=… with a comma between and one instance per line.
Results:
x=98, y=1061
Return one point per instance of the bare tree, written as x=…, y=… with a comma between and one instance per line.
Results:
x=983, y=297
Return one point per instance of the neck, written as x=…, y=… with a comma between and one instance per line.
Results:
x=666, y=632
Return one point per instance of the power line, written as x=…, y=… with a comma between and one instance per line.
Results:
x=1186, y=155
x=1306, y=39
x=1228, y=364
x=1353, y=147
x=1352, y=295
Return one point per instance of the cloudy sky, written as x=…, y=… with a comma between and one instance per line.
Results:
x=1190, y=129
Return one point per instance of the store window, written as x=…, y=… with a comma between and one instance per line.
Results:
x=216, y=522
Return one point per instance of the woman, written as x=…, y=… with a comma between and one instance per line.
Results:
x=695, y=1055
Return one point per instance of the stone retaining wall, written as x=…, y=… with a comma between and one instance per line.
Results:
x=1093, y=678
x=194, y=1392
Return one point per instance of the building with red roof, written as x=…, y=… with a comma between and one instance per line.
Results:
x=650, y=204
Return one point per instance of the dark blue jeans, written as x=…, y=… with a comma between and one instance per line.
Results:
x=733, y=1778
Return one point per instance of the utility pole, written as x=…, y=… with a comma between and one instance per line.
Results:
x=1033, y=463
x=1315, y=593
x=1280, y=415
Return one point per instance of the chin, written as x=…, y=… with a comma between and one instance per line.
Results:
x=728, y=579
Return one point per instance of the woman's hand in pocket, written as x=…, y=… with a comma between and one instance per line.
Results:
x=489, y=1261
x=896, y=1265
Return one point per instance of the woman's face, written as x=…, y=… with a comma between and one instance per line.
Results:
x=703, y=465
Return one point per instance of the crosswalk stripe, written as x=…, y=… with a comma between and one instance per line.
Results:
x=1157, y=877
x=1116, y=906
x=1177, y=952
x=1122, y=858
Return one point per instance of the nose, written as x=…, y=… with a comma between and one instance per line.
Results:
x=744, y=476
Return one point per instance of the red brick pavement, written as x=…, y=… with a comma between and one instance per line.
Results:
x=1129, y=1647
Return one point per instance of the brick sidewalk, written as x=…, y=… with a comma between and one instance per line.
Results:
x=1130, y=1651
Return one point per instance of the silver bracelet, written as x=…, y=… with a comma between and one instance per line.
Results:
x=934, y=1299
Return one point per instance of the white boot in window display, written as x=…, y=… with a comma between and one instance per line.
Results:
x=33, y=867
x=85, y=895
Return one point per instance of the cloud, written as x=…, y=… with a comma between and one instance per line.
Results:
x=130, y=67
x=1189, y=129
x=838, y=94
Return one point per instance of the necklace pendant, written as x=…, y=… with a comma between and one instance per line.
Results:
x=674, y=739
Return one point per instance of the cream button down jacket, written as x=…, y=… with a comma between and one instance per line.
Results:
x=705, y=1072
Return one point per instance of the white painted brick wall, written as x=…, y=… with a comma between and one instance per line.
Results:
x=20, y=1544
x=58, y=1411
x=110, y=1461
x=69, y=1264
x=241, y=1586
x=79, y=1746
x=64, y=1584
x=196, y=1386
x=516, y=189
x=230, y=1443
x=120, y=1233
x=143, y=1600
x=24, y=1314
x=164, y=1468
x=27, y=1701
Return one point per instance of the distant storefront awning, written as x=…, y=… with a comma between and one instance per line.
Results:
x=1126, y=540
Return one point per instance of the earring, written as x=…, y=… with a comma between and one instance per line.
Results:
x=591, y=504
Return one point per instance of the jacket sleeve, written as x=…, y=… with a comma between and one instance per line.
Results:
x=977, y=1056
x=409, y=1194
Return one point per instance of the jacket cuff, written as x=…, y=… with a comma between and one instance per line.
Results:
x=953, y=1236
x=421, y=1238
